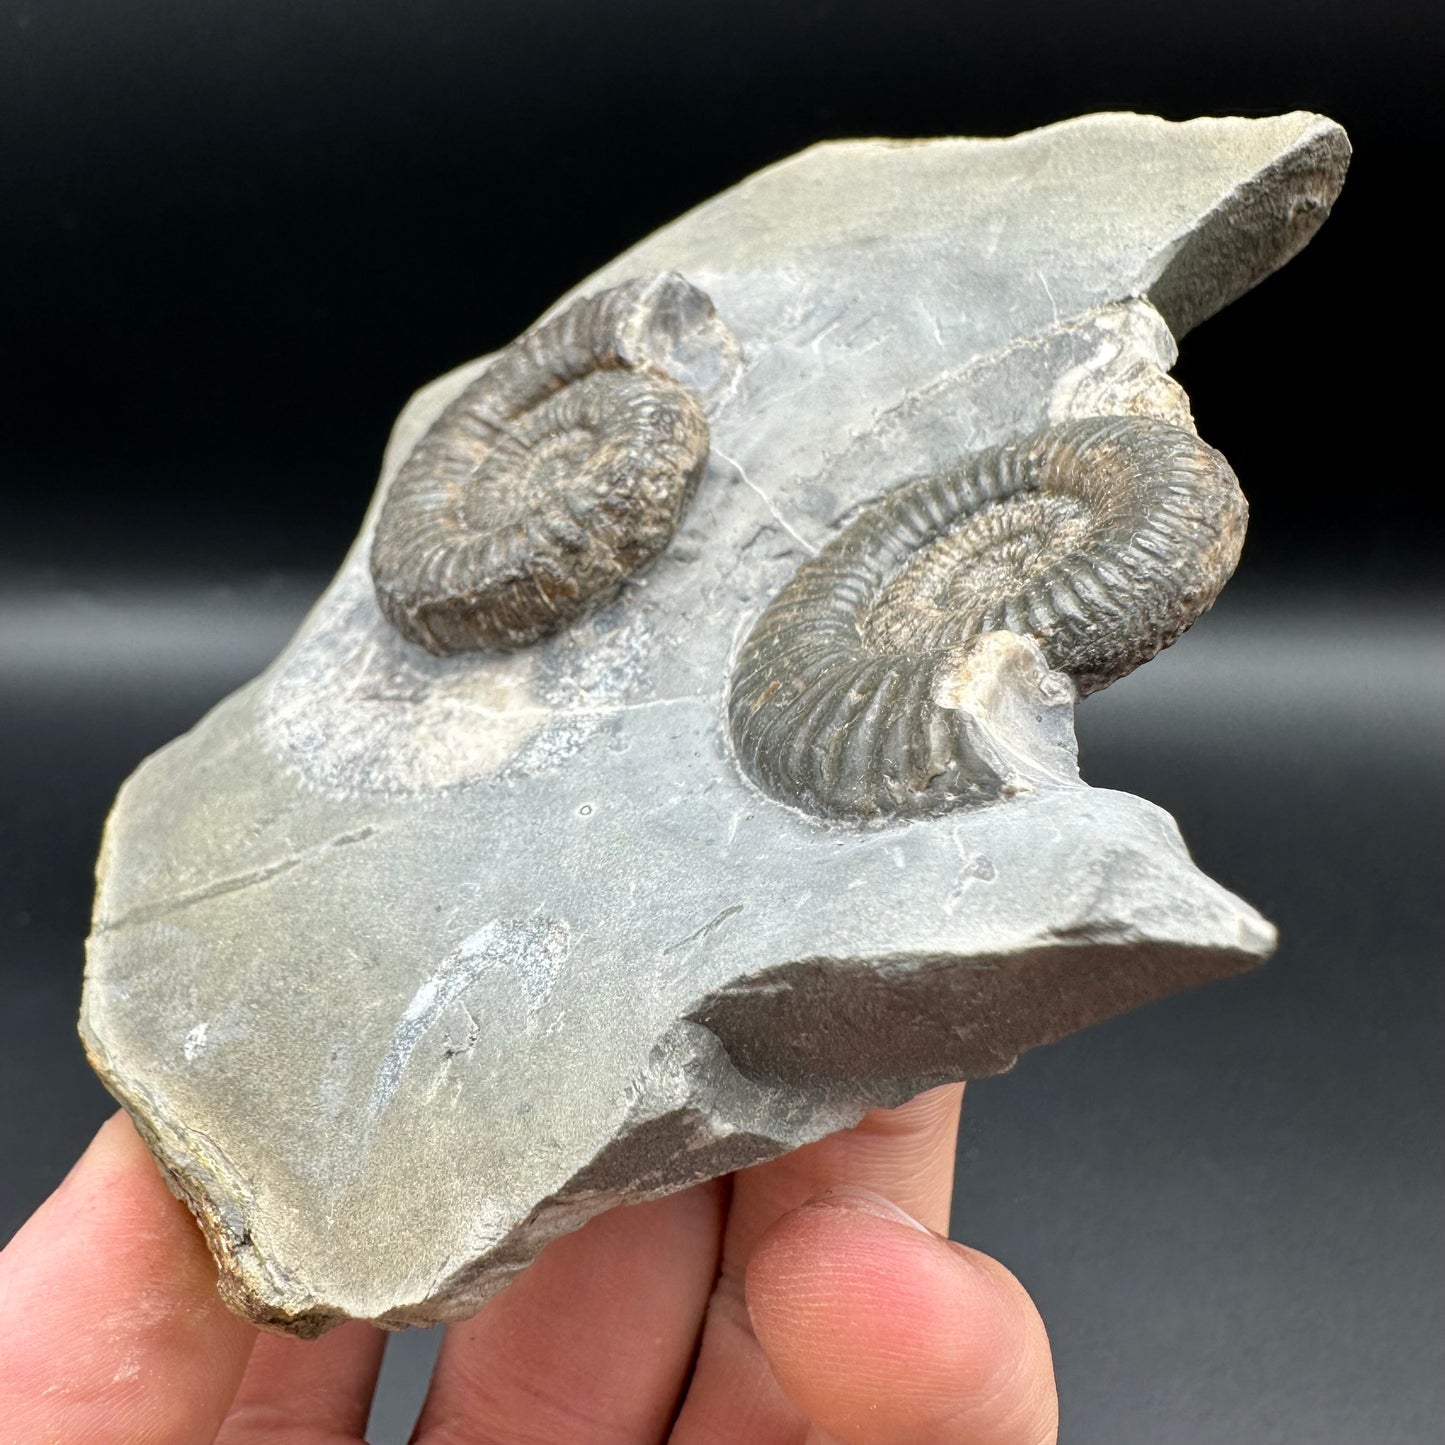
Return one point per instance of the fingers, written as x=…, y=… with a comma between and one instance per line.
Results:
x=111, y=1323
x=306, y=1392
x=904, y=1154
x=885, y=1334
x=593, y=1342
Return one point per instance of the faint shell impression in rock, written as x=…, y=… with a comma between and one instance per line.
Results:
x=562, y=469
x=1101, y=539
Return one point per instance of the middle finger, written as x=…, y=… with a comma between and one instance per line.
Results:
x=593, y=1342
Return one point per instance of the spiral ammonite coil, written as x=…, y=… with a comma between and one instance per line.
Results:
x=1102, y=539
x=563, y=468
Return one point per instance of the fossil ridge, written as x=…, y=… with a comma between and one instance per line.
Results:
x=405, y=964
x=873, y=683
x=560, y=470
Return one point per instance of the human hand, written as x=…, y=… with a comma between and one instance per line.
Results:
x=790, y=1305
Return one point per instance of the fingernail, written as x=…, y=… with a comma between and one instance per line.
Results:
x=865, y=1201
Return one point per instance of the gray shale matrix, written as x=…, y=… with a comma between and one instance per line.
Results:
x=406, y=964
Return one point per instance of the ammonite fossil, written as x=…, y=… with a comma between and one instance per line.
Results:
x=564, y=467
x=1102, y=539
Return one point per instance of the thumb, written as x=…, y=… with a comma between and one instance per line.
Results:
x=885, y=1333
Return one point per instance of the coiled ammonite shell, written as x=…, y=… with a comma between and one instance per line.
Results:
x=1101, y=539
x=564, y=467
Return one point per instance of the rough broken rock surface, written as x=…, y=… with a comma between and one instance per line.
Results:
x=406, y=964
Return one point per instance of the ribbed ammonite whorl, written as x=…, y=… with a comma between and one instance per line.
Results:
x=561, y=469
x=1102, y=539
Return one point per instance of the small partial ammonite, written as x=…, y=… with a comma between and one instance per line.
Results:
x=564, y=467
x=1102, y=539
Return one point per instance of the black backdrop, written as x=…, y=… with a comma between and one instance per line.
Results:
x=235, y=236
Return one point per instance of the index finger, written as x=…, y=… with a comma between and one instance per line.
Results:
x=111, y=1325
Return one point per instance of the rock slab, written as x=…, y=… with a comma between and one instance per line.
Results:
x=405, y=965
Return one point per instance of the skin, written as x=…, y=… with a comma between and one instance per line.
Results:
x=803, y=1302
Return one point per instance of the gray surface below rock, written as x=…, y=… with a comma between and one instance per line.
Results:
x=405, y=965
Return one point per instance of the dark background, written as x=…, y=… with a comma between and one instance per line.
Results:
x=235, y=236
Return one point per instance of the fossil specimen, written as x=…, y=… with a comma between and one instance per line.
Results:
x=405, y=963
x=560, y=470
x=1103, y=539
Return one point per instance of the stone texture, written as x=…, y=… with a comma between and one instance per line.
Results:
x=406, y=964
